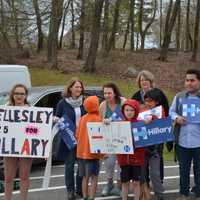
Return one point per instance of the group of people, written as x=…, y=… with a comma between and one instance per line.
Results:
x=145, y=165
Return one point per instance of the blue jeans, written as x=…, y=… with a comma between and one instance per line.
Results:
x=69, y=173
x=185, y=157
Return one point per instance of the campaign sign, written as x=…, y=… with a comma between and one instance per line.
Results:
x=157, y=132
x=191, y=109
x=116, y=116
x=157, y=111
x=67, y=131
x=115, y=138
x=25, y=131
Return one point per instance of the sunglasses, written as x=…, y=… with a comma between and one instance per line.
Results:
x=19, y=94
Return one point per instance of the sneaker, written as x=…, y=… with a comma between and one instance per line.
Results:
x=71, y=195
x=159, y=196
x=107, y=189
x=79, y=194
x=193, y=189
x=116, y=191
x=182, y=197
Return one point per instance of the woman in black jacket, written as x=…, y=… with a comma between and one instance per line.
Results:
x=145, y=82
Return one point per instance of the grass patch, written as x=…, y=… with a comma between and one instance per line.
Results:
x=49, y=77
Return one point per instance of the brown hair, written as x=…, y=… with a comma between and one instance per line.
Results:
x=147, y=75
x=11, y=96
x=67, y=91
x=115, y=89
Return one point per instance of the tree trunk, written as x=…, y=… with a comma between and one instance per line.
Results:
x=96, y=27
x=39, y=26
x=170, y=21
x=196, y=32
x=73, y=44
x=132, y=20
x=63, y=23
x=161, y=22
x=6, y=42
x=16, y=27
x=126, y=33
x=105, y=26
x=114, y=27
x=187, y=28
x=178, y=30
x=82, y=29
x=55, y=20
x=144, y=32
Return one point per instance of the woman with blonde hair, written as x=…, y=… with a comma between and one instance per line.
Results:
x=18, y=97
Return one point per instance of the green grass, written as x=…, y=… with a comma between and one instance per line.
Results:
x=49, y=77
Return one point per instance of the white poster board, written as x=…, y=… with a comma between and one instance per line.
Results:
x=157, y=111
x=25, y=131
x=115, y=138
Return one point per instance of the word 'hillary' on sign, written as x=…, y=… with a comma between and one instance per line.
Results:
x=29, y=146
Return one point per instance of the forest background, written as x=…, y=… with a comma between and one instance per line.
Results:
x=110, y=38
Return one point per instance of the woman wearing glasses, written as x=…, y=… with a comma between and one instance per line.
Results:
x=18, y=97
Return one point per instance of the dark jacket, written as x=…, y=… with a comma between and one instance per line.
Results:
x=65, y=108
x=163, y=100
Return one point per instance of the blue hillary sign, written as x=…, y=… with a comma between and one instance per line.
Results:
x=67, y=131
x=157, y=132
x=116, y=116
x=191, y=109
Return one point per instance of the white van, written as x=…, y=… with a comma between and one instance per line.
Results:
x=13, y=74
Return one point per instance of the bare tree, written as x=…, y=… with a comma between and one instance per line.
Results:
x=73, y=44
x=140, y=22
x=96, y=26
x=161, y=21
x=39, y=25
x=82, y=29
x=55, y=20
x=169, y=25
x=105, y=26
x=111, y=44
x=196, y=32
x=188, y=37
x=132, y=20
x=5, y=41
x=66, y=6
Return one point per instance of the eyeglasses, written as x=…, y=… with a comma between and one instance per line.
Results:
x=19, y=94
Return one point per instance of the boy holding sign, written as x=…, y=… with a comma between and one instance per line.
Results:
x=131, y=164
x=88, y=162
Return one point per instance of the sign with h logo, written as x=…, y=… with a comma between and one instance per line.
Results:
x=191, y=109
x=157, y=132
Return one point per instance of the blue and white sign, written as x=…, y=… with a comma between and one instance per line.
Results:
x=116, y=116
x=157, y=132
x=191, y=109
x=157, y=111
x=67, y=131
x=115, y=138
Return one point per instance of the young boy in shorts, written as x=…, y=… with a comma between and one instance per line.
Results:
x=88, y=162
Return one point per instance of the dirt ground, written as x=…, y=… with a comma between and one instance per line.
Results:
x=169, y=75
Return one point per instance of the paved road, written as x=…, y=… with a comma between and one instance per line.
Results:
x=57, y=191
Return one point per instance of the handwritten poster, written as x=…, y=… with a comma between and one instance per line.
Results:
x=25, y=131
x=115, y=138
